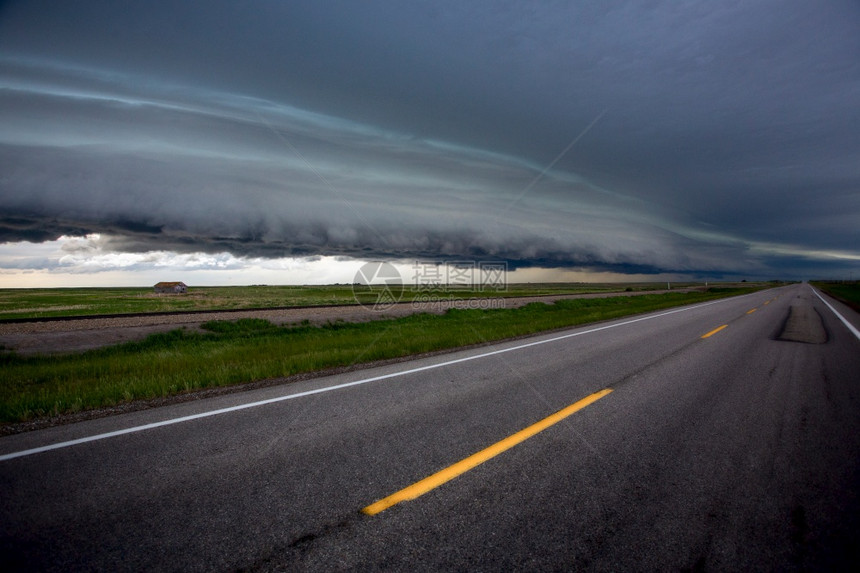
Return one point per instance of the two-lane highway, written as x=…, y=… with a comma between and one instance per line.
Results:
x=724, y=436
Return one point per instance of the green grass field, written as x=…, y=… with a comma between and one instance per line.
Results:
x=847, y=292
x=38, y=303
x=242, y=351
x=42, y=303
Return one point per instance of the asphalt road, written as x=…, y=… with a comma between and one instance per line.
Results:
x=739, y=451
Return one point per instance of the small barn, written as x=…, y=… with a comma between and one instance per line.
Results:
x=171, y=287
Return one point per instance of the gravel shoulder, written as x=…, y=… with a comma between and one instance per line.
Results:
x=51, y=337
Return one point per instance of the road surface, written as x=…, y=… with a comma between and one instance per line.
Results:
x=724, y=436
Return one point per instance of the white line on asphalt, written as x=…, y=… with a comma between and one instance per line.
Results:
x=842, y=318
x=172, y=421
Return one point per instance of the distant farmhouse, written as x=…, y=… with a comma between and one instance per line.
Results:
x=171, y=288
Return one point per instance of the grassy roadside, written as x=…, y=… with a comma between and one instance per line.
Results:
x=58, y=302
x=847, y=292
x=252, y=349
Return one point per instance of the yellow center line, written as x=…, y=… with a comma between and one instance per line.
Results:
x=714, y=331
x=431, y=482
x=767, y=302
x=752, y=311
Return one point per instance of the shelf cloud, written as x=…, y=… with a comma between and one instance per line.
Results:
x=699, y=139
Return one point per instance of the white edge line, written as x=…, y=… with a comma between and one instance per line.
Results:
x=153, y=425
x=839, y=316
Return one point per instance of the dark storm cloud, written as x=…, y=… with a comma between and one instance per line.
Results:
x=709, y=137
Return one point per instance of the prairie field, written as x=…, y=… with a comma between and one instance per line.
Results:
x=58, y=302
x=230, y=353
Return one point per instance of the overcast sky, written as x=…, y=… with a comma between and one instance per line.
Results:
x=229, y=141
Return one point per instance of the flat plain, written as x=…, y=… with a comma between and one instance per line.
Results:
x=232, y=353
x=61, y=302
